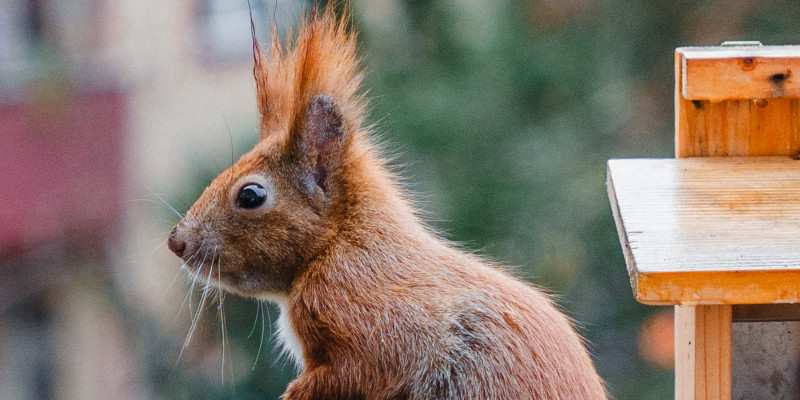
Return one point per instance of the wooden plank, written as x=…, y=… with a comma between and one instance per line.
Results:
x=703, y=352
x=745, y=127
x=722, y=230
x=739, y=73
x=736, y=52
x=739, y=128
x=685, y=355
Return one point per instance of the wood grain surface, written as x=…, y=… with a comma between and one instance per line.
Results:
x=733, y=124
x=741, y=73
x=720, y=230
x=703, y=352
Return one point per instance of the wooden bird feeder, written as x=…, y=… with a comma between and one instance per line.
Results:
x=716, y=230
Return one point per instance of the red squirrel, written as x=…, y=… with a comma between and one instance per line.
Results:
x=374, y=305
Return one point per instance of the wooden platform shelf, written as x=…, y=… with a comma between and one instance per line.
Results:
x=712, y=230
x=716, y=231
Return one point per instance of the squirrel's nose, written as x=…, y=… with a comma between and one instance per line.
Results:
x=176, y=244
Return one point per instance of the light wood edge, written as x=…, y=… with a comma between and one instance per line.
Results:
x=718, y=287
x=683, y=87
x=680, y=126
x=630, y=262
x=722, y=52
x=685, y=354
x=703, y=352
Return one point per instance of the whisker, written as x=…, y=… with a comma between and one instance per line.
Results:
x=269, y=317
x=166, y=204
x=185, y=298
x=203, y=300
x=220, y=312
x=210, y=270
x=192, y=328
x=219, y=295
x=160, y=245
x=260, y=343
x=195, y=275
x=191, y=293
x=255, y=321
x=230, y=136
x=196, y=319
x=185, y=263
x=178, y=273
x=224, y=340
x=223, y=324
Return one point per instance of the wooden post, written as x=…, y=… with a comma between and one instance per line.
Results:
x=703, y=352
x=729, y=101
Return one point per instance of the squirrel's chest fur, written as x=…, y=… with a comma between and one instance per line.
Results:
x=287, y=338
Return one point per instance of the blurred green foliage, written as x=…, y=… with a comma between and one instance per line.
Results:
x=503, y=114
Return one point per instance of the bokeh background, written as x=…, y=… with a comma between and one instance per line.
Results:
x=502, y=114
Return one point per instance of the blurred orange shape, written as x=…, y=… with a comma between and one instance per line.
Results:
x=657, y=341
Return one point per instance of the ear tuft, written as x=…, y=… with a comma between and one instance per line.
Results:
x=321, y=58
x=322, y=135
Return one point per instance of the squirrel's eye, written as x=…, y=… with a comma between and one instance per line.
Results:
x=251, y=195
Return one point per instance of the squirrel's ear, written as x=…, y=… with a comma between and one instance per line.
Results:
x=320, y=141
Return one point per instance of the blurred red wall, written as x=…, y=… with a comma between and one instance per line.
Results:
x=60, y=169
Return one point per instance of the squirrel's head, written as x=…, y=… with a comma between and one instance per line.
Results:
x=259, y=222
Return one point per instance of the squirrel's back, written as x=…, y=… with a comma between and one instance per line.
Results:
x=419, y=319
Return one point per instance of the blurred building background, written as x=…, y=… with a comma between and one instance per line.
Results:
x=503, y=113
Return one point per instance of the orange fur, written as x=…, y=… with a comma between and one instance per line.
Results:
x=322, y=61
x=378, y=305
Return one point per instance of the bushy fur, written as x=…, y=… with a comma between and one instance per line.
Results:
x=379, y=307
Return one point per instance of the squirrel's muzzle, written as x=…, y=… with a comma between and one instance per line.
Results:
x=176, y=243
